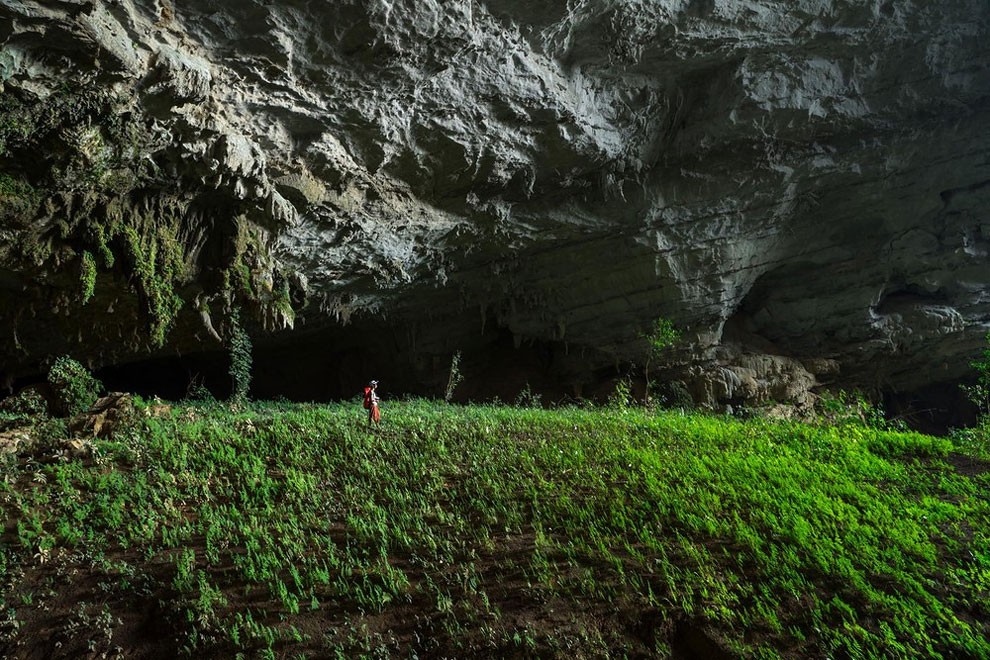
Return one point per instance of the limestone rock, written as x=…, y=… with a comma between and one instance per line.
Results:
x=104, y=417
x=808, y=176
x=15, y=441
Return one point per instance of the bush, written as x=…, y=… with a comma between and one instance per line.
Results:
x=197, y=391
x=621, y=396
x=662, y=336
x=24, y=408
x=28, y=402
x=75, y=389
x=844, y=408
x=527, y=398
x=239, y=346
x=979, y=394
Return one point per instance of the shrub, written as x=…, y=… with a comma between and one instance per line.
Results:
x=622, y=394
x=240, y=358
x=976, y=440
x=527, y=398
x=843, y=408
x=87, y=276
x=454, y=378
x=27, y=402
x=663, y=335
x=25, y=407
x=198, y=391
x=74, y=387
x=979, y=394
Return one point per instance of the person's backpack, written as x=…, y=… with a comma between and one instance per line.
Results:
x=367, y=398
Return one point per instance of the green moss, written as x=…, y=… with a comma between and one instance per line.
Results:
x=158, y=264
x=103, y=246
x=283, y=302
x=16, y=195
x=87, y=275
x=16, y=123
x=243, y=279
x=239, y=345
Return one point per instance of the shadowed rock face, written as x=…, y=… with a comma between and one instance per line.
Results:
x=806, y=181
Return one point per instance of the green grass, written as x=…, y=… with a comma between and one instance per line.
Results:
x=293, y=530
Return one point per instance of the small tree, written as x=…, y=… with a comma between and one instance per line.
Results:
x=454, y=378
x=240, y=358
x=663, y=335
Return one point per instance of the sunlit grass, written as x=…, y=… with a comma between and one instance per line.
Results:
x=294, y=529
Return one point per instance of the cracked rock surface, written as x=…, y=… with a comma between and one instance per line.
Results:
x=792, y=182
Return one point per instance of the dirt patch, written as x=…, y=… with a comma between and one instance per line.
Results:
x=968, y=466
x=71, y=606
x=693, y=642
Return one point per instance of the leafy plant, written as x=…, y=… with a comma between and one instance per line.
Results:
x=850, y=407
x=157, y=261
x=74, y=387
x=527, y=398
x=87, y=275
x=198, y=391
x=662, y=335
x=24, y=408
x=17, y=196
x=622, y=393
x=239, y=348
x=454, y=378
x=976, y=440
x=979, y=393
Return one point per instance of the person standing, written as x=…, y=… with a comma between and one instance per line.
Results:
x=371, y=404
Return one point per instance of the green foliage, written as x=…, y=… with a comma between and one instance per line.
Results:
x=87, y=276
x=621, y=395
x=850, y=407
x=976, y=440
x=454, y=378
x=239, y=347
x=282, y=302
x=979, y=394
x=158, y=266
x=51, y=430
x=27, y=402
x=527, y=398
x=267, y=520
x=74, y=387
x=198, y=392
x=16, y=196
x=24, y=408
x=16, y=123
x=663, y=334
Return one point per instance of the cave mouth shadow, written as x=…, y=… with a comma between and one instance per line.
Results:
x=935, y=409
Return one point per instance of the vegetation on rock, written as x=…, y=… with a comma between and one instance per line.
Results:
x=976, y=440
x=239, y=347
x=87, y=275
x=75, y=389
x=662, y=336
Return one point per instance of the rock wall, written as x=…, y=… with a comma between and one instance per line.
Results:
x=799, y=182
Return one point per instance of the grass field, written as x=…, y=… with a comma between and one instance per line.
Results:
x=479, y=531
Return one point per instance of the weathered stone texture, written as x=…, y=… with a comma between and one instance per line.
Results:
x=798, y=178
